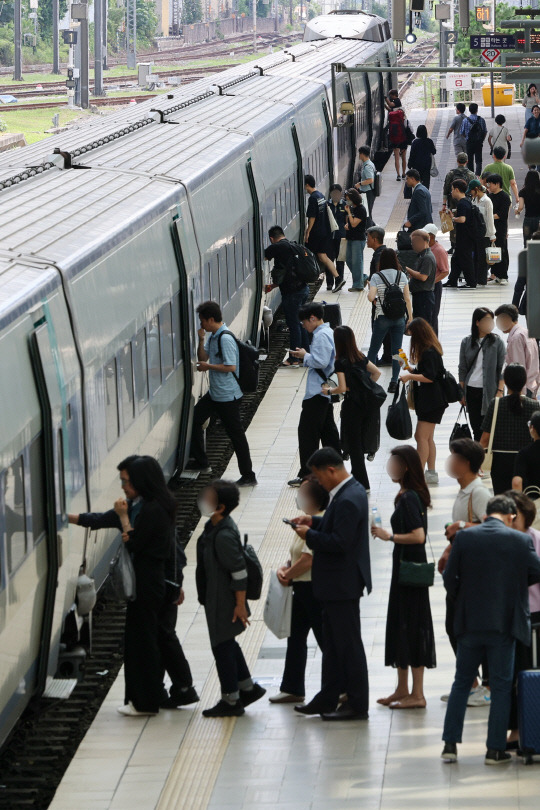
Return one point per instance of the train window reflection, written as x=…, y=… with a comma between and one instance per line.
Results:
x=15, y=514
x=165, y=328
x=154, y=357
x=37, y=490
x=140, y=368
x=111, y=403
x=125, y=367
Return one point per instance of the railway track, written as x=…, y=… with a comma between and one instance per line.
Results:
x=98, y=101
x=417, y=57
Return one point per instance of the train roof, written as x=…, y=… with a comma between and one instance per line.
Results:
x=348, y=25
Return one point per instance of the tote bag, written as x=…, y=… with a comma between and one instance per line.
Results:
x=398, y=418
x=278, y=608
x=461, y=430
x=122, y=576
x=434, y=172
x=488, y=459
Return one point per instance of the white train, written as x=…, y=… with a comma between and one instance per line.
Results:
x=110, y=235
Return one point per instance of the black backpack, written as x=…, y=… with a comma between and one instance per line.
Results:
x=362, y=390
x=254, y=571
x=304, y=264
x=477, y=224
x=477, y=131
x=451, y=388
x=393, y=303
x=247, y=375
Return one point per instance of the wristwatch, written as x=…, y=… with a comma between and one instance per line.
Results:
x=462, y=524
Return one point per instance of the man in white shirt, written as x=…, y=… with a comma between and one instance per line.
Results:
x=520, y=348
x=469, y=509
x=485, y=206
x=367, y=172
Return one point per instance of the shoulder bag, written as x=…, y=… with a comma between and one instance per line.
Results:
x=122, y=575
x=460, y=430
x=434, y=172
x=417, y=574
x=488, y=459
x=332, y=220
x=398, y=418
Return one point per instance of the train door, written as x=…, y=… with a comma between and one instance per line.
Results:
x=351, y=133
x=258, y=247
x=301, y=202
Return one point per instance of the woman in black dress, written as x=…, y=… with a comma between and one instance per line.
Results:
x=430, y=402
x=409, y=628
x=422, y=149
x=357, y=422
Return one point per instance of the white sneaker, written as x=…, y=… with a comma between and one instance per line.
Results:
x=129, y=710
x=479, y=696
x=444, y=698
x=286, y=697
x=432, y=477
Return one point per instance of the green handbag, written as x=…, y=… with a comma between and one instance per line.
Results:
x=416, y=574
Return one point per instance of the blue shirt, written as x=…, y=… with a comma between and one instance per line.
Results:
x=223, y=385
x=321, y=355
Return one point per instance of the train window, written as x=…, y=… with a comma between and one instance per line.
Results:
x=177, y=344
x=125, y=370
x=231, y=268
x=165, y=328
x=207, y=295
x=61, y=494
x=249, y=249
x=111, y=403
x=15, y=515
x=153, y=355
x=214, y=272
x=37, y=493
x=140, y=368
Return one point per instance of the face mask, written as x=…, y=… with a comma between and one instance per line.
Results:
x=204, y=507
x=448, y=467
x=300, y=502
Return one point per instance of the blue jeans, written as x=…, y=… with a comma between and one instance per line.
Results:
x=355, y=260
x=471, y=648
x=291, y=303
x=381, y=326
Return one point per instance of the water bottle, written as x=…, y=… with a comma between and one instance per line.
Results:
x=376, y=518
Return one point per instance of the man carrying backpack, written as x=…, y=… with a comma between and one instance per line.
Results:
x=389, y=291
x=220, y=356
x=474, y=129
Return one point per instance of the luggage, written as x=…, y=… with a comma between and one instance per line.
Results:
x=247, y=375
x=396, y=128
x=377, y=184
x=528, y=697
x=398, y=418
x=382, y=157
x=332, y=314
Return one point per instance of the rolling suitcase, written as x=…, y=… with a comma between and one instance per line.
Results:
x=332, y=314
x=528, y=696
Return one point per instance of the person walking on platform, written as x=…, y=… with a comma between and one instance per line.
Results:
x=220, y=357
x=501, y=209
x=499, y=166
x=360, y=421
x=520, y=348
x=499, y=135
x=317, y=418
x=294, y=292
x=419, y=211
x=485, y=206
x=532, y=126
x=355, y=234
x=460, y=172
x=421, y=152
x=460, y=142
x=375, y=240
x=312, y=499
x=462, y=259
x=422, y=279
x=397, y=137
x=146, y=519
x=474, y=130
x=530, y=100
x=441, y=260
x=318, y=237
x=389, y=326
x=488, y=573
x=430, y=401
x=336, y=204
x=481, y=362
x=410, y=641
x=366, y=180
x=222, y=579
x=341, y=572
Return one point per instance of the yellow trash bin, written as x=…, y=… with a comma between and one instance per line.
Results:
x=505, y=94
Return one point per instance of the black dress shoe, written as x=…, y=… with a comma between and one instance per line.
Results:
x=248, y=696
x=313, y=707
x=225, y=709
x=345, y=712
x=181, y=698
x=454, y=286
x=247, y=481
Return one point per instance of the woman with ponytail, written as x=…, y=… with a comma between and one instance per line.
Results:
x=511, y=428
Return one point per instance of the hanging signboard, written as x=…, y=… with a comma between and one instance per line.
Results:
x=458, y=81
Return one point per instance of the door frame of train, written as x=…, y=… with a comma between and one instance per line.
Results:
x=329, y=142
x=53, y=412
x=300, y=182
x=257, y=245
x=369, y=105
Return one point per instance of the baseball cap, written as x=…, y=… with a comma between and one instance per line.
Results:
x=462, y=157
x=474, y=184
x=431, y=229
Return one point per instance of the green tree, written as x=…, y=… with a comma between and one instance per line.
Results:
x=147, y=20
x=45, y=17
x=463, y=49
x=191, y=11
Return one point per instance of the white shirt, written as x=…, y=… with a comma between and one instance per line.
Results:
x=333, y=492
x=476, y=380
x=499, y=135
x=478, y=495
x=486, y=209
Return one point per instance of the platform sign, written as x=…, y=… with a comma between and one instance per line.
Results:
x=458, y=81
x=483, y=14
x=491, y=54
x=500, y=41
x=529, y=63
x=450, y=37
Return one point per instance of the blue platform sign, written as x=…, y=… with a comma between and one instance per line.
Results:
x=499, y=41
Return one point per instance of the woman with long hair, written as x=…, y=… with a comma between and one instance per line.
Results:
x=397, y=137
x=410, y=642
x=422, y=149
x=511, y=428
x=481, y=361
x=358, y=421
x=355, y=235
x=388, y=273
x=430, y=402
x=146, y=518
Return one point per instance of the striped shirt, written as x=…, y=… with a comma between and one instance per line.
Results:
x=377, y=281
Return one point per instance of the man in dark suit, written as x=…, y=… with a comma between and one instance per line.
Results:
x=340, y=572
x=419, y=212
x=488, y=573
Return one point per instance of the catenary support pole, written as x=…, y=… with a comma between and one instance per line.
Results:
x=17, y=30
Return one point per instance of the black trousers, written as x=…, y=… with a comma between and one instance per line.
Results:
x=423, y=304
x=344, y=664
x=231, y=665
x=229, y=413
x=480, y=263
x=351, y=439
x=463, y=262
x=173, y=660
x=502, y=471
x=142, y=659
x=474, y=153
x=370, y=196
x=501, y=268
x=437, y=292
x=306, y=616
x=473, y=397
x=316, y=427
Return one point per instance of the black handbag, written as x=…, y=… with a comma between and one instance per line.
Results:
x=460, y=431
x=403, y=240
x=398, y=418
x=417, y=574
